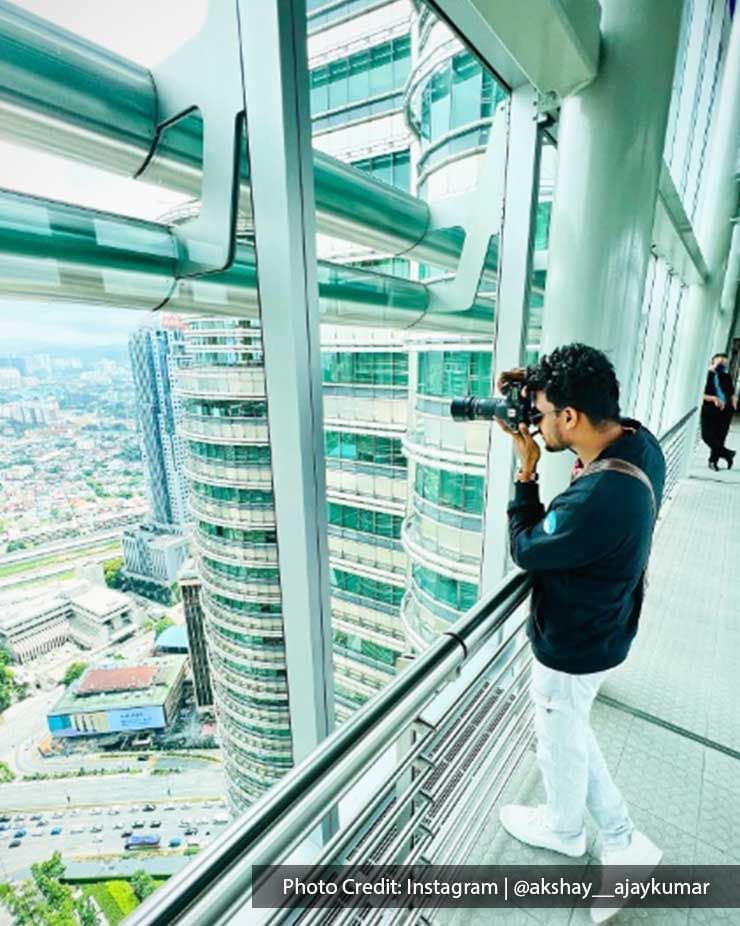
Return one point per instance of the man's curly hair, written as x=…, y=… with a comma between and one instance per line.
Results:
x=581, y=377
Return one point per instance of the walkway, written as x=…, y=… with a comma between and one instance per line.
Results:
x=668, y=720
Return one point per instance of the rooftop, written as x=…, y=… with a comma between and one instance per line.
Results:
x=99, y=600
x=126, y=678
x=166, y=670
x=173, y=638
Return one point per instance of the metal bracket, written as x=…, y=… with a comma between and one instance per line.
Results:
x=479, y=213
x=547, y=106
x=196, y=78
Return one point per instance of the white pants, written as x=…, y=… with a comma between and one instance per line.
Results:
x=574, y=771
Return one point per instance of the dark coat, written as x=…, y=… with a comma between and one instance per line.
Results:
x=587, y=556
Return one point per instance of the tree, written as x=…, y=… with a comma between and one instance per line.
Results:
x=112, y=572
x=74, y=671
x=143, y=884
x=14, y=545
x=7, y=687
x=42, y=899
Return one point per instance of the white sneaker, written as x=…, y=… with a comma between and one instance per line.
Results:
x=528, y=824
x=641, y=851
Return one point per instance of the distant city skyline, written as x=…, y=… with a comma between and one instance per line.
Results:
x=40, y=327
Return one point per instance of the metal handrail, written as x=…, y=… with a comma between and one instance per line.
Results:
x=320, y=779
x=672, y=431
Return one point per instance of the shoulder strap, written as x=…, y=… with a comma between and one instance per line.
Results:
x=616, y=465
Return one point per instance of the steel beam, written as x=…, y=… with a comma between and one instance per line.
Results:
x=551, y=44
x=65, y=95
x=673, y=234
x=275, y=76
x=56, y=252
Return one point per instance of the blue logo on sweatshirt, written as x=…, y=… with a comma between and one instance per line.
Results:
x=550, y=523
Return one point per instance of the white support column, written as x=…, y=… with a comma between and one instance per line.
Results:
x=610, y=144
x=520, y=210
x=704, y=328
x=273, y=37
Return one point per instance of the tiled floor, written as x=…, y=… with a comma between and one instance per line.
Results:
x=684, y=669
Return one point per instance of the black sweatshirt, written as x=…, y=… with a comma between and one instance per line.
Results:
x=587, y=557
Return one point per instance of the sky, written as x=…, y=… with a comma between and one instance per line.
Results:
x=145, y=31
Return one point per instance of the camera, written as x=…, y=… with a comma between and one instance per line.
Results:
x=514, y=407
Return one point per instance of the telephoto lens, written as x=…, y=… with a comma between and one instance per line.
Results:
x=473, y=408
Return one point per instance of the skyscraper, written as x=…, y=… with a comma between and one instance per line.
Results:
x=221, y=386
x=154, y=550
x=152, y=349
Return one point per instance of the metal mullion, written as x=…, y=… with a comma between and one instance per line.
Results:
x=275, y=88
x=517, y=244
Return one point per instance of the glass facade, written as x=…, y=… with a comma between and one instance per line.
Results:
x=366, y=368
x=365, y=520
x=452, y=593
x=393, y=168
x=364, y=448
x=455, y=373
x=460, y=491
x=359, y=85
x=364, y=587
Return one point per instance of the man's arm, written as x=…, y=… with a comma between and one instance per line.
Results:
x=581, y=525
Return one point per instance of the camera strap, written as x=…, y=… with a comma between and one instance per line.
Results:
x=615, y=465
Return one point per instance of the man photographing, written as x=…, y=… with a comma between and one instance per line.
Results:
x=587, y=554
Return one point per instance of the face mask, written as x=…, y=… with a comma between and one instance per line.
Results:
x=721, y=367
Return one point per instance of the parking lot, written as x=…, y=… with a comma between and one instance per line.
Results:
x=101, y=831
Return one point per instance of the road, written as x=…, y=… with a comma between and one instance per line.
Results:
x=61, y=546
x=78, y=843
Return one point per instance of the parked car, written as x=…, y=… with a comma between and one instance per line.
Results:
x=170, y=807
x=144, y=757
x=19, y=834
x=113, y=812
x=221, y=818
x=155, y=823
x=95, y=812
x=138, y=825
x=35, y=816
x=175, y=842
x=185, y=823
x=5, y=818
x=148, y=807
x=77, y=829
x=126, y=833
x=14, y=843
x=19, y=818
x=203, y=821
x=56, y=830
x=38, y=833
x=118, y=825
x=191, y=831
x=96, y=829
x=3, y=827
x=57, y=815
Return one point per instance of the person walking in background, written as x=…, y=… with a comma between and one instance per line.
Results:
x=716, y=411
